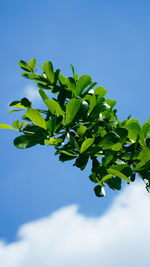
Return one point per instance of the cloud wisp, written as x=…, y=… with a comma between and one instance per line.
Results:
x=66, y=238
x=32, y=93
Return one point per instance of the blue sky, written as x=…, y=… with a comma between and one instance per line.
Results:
x=109, y=40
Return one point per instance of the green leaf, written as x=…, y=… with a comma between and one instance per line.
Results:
x=73, y=141
x=35, y=116
x=109, y=140
x=92, y=100
x=32, y=64
x=106, y=177
x=34, y=129
x=16, y=125
x=123, y=133
x=48, y=69
x=144, y=157
x=111, y=102
x=54, y=123
x=145, y=129
x=53, y=141
x=83, y=110
x=118, y=174
x=86, y=144
x=82, y=83
x=134, y=129
x=101, y=131
x=23, y=124
x=33, y=76
x=15, y=110
x=68, y=153
x=100, y=107
x=116, y=147
x=54, y=107
x=100, y=91
x=71, y=84
x=72, y=109
x=108, y=157
x=56, y=74
x=45, y=86
x=89, y=89
x=99, y=191
x=62, y=79
x=72, y=67
x=130, y=155
x=24, y=65
x=6, y=126
x=123, y=168
x=43, y=94
x=27, y=141
x=16, y=104
x=81, y=130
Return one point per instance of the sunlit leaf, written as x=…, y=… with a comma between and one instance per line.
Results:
x=100, y=91
x=134, y=129
x=53, y=141
x=35, y=116
x=16, y=125
x=81, y=130
x=32, y=63
x=118, y=174
x=54, y=107
x=24, y=65
x=48, y=69
x=82, y=83
x=6, y=126
x=86, y=144
x=72, y=109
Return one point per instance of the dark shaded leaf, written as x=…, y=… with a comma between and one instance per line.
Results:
x=27, y=141
x=63, y=157
x=114, y=183
x=99, y=191
x=81, y=161
x=93, y=177
x=109, y=140
x=25, y=102
x=123, y=133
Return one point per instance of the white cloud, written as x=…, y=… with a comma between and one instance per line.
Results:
x=31, y=93
x=120, y=238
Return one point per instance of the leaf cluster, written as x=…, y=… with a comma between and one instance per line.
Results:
x=82, y=125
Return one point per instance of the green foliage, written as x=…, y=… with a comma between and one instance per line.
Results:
x=82, y=125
